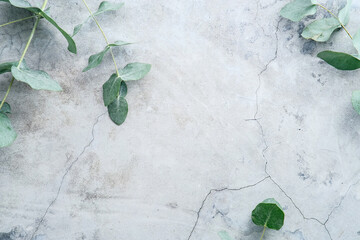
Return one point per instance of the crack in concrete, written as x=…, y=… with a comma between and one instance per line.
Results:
x=65, y=174
x=219, y=190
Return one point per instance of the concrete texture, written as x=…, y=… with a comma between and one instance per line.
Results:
x=237, y=109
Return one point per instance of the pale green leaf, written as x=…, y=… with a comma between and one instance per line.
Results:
x=38, y=80
x=7, y=133
x=108, y=6
x=269, y=214
x=111, y=89
x=321, y=30
x=103, y=7
x=134, y=71
x=356, y=100
x=356, y=41
x=298, y=9
x=224, y=235
x=344, y=14
x=339, y=60
x=118, y=110
x=5, y=108
x=20, y=3
x=6, y=67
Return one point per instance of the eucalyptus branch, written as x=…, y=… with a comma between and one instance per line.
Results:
x=336, y=17
x=102, y=32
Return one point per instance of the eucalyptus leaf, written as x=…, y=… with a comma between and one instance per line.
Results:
x=321, y=30
x=134, y=71
x=355, y=99
x=6, y=67
x=108, y=6
x=118, y=110
x=96, y=59
x=26, y=5
x=111, y=89
x=356, y=41
x=5, y=108
x=298, y=9
x=344, y=14
x=123, y=89
x=224, y=235
x=7, y=133
x=104, y=6
x=38, y=80
x=339, y=60
x=269, y=214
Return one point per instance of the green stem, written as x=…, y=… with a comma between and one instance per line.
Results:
x=102, y=32
x=15, y=21
x=23, y=54
x=262, y=235
x=342, y=25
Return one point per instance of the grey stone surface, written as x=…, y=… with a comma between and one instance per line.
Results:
x=237, y=108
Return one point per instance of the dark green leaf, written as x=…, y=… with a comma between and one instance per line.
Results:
x=355, y=99
x=269, y=214
x=96, y=59
x=118, y=110
x=344, y=14
x=7, y=133
x=26, y=5
x=38, y=80
x=6, y=67
x=339, y=60
x=134, y=71
x=321, y=30
x=111, y=89
x=108, y=6
x=298, y=9
x=5, y=108
x=123, y=89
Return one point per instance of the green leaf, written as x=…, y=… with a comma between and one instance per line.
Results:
x=96, y=59
x=118, y=110
x=7, y=133
x=26, y=5
x=103, y=7
x=134, y=71
x=269, y=214
x=321, y=30
x=298, y=9
x=108, y=6
x=355, y=99
x=123, y=89
x=5, y=108
x=344, y=14
x=356, y=41
x=6, y=67
x=111, y=89
x=224, y=235
x=38, y=80
x=339, y=60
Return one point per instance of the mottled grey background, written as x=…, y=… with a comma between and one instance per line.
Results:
x=236, y=109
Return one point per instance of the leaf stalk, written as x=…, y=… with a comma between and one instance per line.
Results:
x=18, y=20
x=263, y=233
